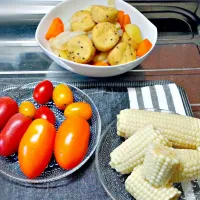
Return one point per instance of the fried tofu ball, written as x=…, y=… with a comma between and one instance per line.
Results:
x=82, y=21
x=104, y=14
x=105, y=36
x=80, y=49
x=122, y=53
x=126, y=38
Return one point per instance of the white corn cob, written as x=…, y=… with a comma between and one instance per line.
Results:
x=141, y=189
x=131, y=152
x=182, y=131
x=189, y=165
x=159, y=164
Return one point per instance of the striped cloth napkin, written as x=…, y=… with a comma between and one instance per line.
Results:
x=166, y=97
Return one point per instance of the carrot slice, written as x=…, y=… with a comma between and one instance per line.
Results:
x=55, y=28
x=126, y=21
x=120, y=17
x=100, y=63
x=144, y=47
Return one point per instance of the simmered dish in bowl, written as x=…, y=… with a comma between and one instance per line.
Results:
x=98, y=35
x=100, y=60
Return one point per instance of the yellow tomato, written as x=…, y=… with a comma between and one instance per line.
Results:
x=81, y=109
x=27, y=108
x=62, y=96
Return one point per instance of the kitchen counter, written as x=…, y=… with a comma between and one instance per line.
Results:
x=176, y=57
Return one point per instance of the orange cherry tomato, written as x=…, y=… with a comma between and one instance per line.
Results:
x=62, y=96
x=81, y=109
x=27, y=108
x=71, y=142
x=36, y=147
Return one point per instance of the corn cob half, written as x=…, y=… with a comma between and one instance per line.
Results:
x=159, y=164
x=141, y=189
x=182, y=131
x=131, y=152
x=189, y=165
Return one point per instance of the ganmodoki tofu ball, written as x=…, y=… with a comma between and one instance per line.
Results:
x=80, y=49
x=82, y=21
x=104, y=14
x=105, y=36
x=122, y=53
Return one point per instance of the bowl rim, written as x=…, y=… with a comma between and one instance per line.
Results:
x=66, y=173
x=87, y=65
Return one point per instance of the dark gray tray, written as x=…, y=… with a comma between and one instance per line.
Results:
x=110, y=98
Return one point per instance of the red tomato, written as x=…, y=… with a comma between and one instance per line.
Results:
x=12, y=134
x=8, y=107
x=81, y=109
x=45, y=113
x=43, y=92
x=71, y=142
x=36, y=147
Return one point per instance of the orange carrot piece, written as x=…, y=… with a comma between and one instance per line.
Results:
x=55, y=29
x=144, y=47
x=100, y=63
x=120, y=17
x=126, y=21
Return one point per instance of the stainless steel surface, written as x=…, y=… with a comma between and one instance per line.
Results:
x=178, y=24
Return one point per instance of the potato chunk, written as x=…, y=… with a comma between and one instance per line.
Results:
x=82, y=21
x=134, y=33
x=101, y=56
x=122, y=53
x=104, y=14
x=126, y=38
x=105, y=36
x=80, y=49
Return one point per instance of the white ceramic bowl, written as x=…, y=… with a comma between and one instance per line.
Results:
x=65, y=9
